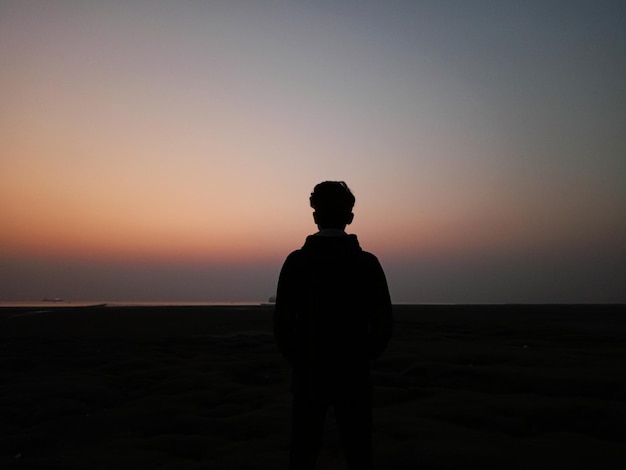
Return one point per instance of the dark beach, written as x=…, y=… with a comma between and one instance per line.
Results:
x=460, y=387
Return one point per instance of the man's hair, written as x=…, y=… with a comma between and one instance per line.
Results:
x=333, y=202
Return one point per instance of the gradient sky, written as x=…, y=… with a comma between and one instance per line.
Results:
x=155, y=150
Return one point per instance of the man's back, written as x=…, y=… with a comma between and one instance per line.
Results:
x=333, y=312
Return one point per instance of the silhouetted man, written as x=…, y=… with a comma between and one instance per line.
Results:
x=332, y=317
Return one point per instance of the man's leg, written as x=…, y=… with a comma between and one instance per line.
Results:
x=306, y=430
x=354, y=421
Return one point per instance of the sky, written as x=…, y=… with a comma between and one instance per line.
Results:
x=166, y=150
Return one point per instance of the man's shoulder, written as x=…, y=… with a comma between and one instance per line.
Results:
x=295, y=254
x=294, y=258
x=369, y=257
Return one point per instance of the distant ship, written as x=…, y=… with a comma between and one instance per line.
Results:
x=270, y=301
x=54, y=299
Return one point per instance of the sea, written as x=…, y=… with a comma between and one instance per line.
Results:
x=127, y=303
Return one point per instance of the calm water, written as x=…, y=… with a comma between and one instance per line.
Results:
x=120, y=303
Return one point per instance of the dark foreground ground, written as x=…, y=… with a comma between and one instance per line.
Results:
x=460, y=387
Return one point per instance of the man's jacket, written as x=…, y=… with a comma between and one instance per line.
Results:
x=333, y=311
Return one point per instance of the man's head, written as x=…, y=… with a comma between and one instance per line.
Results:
x=333, y=202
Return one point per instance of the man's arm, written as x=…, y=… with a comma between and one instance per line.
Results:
x=381, y=321
x=284, y=311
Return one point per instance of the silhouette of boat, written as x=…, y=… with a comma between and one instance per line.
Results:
x=270, y=301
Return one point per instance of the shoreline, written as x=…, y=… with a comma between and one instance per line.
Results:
x=186, y=320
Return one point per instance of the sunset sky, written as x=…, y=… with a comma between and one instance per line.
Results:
x=165, y=150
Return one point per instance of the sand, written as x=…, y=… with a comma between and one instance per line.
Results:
x=481, y=387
